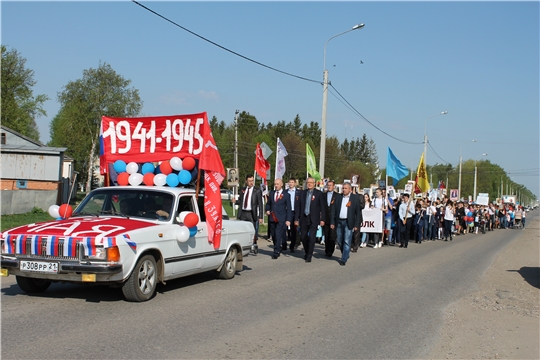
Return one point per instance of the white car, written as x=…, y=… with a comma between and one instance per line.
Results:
x=128, y=236
x=226, y=195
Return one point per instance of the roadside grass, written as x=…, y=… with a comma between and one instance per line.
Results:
x=34, y=216
x=11, y=221
x=263, y=228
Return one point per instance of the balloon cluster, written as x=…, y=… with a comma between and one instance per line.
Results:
x=61, y=212
x=171, y=172
x=190, y=221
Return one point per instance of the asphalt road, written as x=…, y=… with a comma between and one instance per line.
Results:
x=385, y=303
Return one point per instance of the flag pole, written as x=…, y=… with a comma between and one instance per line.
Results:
x=198, y=182
x=412, y=192
x=277, y=151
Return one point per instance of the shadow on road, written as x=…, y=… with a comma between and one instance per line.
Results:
x=530, y=275
x=103, y=293
x=89, y=292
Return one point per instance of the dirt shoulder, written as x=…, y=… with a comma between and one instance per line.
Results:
x=501, y=319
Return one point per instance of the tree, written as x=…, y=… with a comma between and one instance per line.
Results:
x=20, y=107
x=100, y=92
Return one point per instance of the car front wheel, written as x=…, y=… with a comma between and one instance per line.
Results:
x=228, y=270
x=30, y=285
x=142, y=282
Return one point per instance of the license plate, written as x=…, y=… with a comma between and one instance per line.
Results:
x=39, y=266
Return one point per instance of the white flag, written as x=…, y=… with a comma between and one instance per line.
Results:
x=280, y=160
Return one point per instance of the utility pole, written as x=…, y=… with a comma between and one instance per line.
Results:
x=235, y=191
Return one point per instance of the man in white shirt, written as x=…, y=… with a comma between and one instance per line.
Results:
x=346, y=218
x=430, y=222
x=406, y=212
x=251, y=208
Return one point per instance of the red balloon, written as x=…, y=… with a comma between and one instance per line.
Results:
x=188, y=163
x=165, y=168
x=148, y=179
x=123, y=179
x=65, y=211
x=191, y=220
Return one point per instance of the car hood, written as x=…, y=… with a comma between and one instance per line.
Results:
x=88, y=226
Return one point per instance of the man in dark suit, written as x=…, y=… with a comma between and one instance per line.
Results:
x=310, y=213
x=250, y=208
x=346, y=218
x=294, y=193
x=278, y=209
x=329, y=233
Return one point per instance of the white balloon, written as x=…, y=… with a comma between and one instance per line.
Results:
x=176, y=163
x=182, y=215
x=132, y=168
x=160, y=180
x=54, y=211
x=135, y=179
x=182, y=233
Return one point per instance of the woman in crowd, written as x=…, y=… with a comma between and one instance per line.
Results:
x=419, y=222
x=448, y=219
x=365, y=236
x=476, y=216
x=396, y=236
x=439, y=219
x=510, y=217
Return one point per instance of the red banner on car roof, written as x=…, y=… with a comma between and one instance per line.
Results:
x=158, y=138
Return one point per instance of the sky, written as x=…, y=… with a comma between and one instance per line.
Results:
x=479, y=61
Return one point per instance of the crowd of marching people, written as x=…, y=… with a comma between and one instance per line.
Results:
x=335, y=219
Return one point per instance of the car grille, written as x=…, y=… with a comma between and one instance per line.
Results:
x=42, y=252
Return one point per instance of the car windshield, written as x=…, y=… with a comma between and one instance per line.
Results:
x=149, y=204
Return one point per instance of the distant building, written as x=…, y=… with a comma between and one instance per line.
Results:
x=32, y=174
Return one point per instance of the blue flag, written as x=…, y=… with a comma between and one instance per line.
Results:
x=394, y=168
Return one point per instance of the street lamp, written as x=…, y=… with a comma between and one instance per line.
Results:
x=475, y=173
x=425, y=134
x=460, y=161
x=325, y=101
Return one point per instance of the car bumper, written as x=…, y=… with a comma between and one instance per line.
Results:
x=66, y=268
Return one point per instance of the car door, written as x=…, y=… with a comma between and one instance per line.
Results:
x=189, y=256
x=213, y=257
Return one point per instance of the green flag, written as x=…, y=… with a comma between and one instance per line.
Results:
x=311, y=165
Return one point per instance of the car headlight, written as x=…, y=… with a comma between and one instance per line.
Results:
x=101, y=254
x=105, y=254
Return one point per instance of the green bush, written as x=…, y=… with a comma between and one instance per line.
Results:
x=37, y=210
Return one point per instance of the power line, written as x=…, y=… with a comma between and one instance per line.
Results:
x=369, y=122
x=223, y=47
x=432, y=149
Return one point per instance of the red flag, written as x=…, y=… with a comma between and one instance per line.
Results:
x=261, y=164
x=214, y=173
x=212, y=206
x=210, y=158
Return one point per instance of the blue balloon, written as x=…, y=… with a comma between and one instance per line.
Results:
x=184, y=177
x=119, y=166
x=469, y=213
x=147, y=168
x=172, y=180
x=192, y=231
